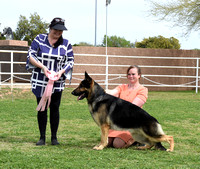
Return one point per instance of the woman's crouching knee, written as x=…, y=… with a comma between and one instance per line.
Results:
x=119, y=143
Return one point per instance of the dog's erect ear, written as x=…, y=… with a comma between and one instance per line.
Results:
x=87, y=77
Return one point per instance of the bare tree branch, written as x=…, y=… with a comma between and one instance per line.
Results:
x=182, y=13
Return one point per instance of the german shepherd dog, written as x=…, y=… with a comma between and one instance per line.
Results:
x=110, y=112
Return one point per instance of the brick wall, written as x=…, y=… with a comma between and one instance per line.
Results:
x=122, y=63
x=137, y=61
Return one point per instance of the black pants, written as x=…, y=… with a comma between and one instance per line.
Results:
x=54, y=116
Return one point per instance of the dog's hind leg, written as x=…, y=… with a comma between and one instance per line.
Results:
x=104, y=137
x=168, y=139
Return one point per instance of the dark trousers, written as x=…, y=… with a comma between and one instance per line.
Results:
x=54, y=116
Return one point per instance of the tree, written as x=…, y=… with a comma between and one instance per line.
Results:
x=182, y=13
x=28, y=29
x=2, y=37
x=159, y=42
x=82, y=44
x=114, y=41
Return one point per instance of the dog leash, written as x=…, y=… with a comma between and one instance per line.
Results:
x=48, y=92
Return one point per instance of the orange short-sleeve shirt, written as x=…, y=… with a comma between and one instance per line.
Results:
x=129, y=95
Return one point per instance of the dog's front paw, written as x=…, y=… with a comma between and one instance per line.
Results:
x=98, y=147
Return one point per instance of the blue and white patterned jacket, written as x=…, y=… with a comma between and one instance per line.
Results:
x=55, y=59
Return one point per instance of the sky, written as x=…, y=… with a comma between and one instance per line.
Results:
x=128, y=19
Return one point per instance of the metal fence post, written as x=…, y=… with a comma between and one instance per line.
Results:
x=197, y=75
x=0, y=75
x=11, y=70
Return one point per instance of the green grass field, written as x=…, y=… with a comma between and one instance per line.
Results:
x=178, y=112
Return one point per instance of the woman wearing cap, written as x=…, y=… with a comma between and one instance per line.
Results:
x=50, y=52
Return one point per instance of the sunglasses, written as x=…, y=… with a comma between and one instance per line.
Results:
x=59, y=20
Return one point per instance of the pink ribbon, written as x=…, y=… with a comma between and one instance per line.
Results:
x=48, y=92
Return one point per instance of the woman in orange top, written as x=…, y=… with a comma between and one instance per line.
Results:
x=133, y=92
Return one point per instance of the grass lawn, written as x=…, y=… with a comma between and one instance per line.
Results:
x=178, y=112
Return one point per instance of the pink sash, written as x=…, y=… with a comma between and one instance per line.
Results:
x=48, y=92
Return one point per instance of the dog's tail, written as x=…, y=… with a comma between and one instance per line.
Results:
x=160, y=130
x=153, y=129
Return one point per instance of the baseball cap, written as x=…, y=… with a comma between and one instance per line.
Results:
x=58, y=24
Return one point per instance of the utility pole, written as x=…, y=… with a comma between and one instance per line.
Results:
x=107, y=2
x=95, y=40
